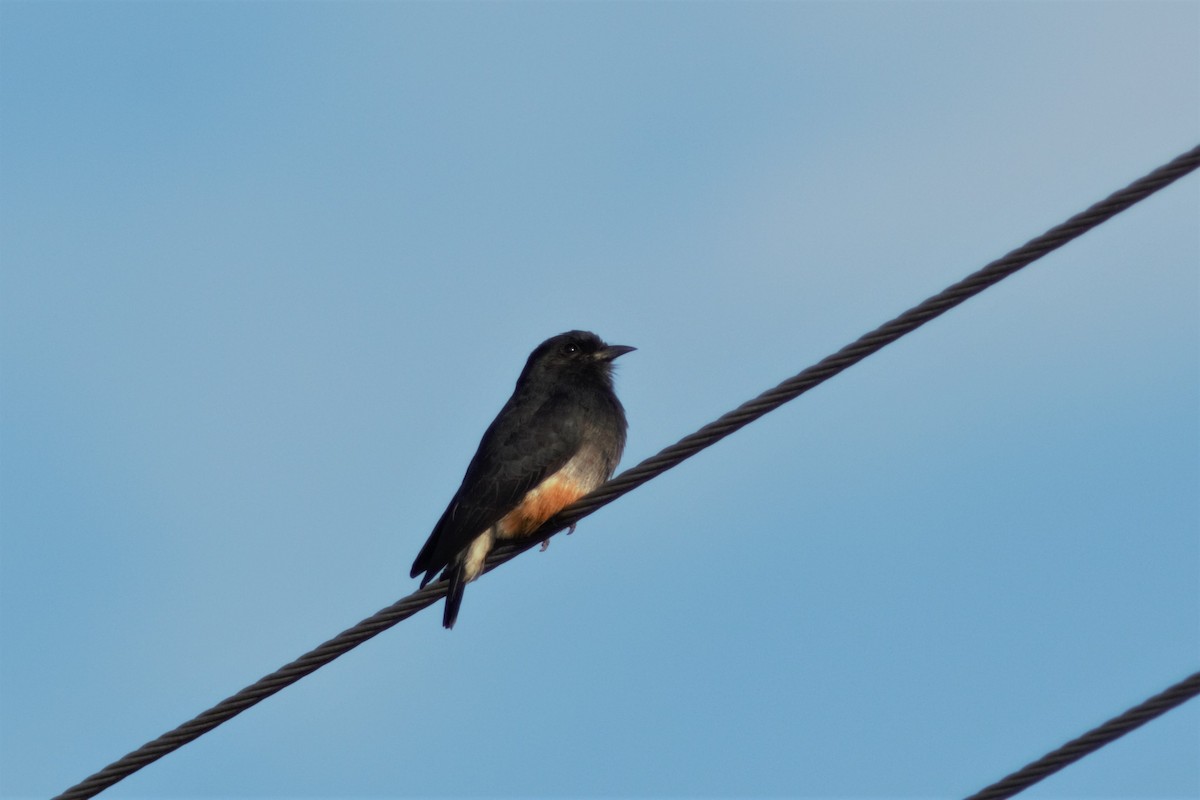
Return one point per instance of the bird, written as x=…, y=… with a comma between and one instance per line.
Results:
x=559, y=436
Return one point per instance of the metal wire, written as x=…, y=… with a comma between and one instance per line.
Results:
x=651, y=467
x=1091, y=741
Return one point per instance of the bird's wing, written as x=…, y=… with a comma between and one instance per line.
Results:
x=515, y=455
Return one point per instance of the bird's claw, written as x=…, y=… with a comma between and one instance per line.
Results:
x=571, y=529
x=545, y=544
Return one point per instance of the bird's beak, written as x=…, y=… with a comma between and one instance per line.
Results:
x=613, y=351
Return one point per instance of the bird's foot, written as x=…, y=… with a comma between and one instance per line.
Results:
x=546, y=542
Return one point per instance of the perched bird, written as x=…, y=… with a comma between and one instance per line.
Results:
x=557, y=438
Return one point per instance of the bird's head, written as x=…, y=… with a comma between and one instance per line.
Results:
x=574, y=353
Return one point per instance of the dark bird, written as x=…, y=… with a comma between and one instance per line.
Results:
x=557, y=438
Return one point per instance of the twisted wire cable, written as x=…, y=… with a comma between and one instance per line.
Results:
x=1091, y=741
x=655, y=465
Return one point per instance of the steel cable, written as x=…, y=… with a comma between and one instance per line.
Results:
x=649, y=468
x=1091, y=741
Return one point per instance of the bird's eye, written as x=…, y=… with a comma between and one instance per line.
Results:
x=570, y=348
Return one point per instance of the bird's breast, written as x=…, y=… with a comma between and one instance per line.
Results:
x=586, y=470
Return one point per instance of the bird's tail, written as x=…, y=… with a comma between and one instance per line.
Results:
x=454, y=594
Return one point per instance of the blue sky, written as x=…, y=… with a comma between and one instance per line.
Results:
x=269, y=270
